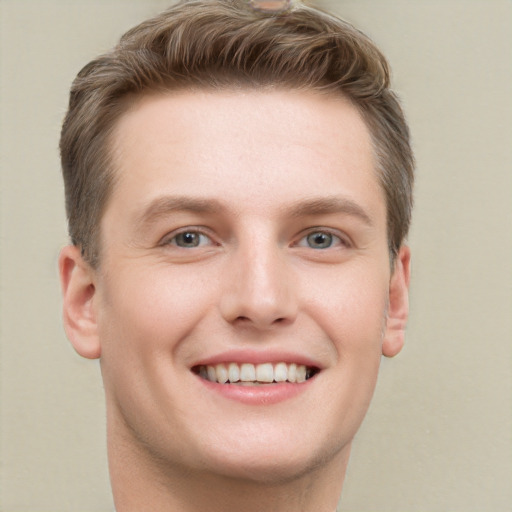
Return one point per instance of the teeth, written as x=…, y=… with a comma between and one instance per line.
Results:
x=222, y=373
x=292, y=373
x=234, y=372
x=247, y=373
x=301, y=373
x=265, y=372
x=250, y=374
x=212, y=374
x=280, y=372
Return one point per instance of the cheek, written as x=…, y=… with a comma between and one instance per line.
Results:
x=143, y=324
x=350, y=306
x=151, y=312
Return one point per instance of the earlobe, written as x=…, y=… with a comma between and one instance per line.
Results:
x=398, y=307
x=78, y=293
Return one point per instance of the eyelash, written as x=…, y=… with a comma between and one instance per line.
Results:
x=335, y=239
x=171, y=240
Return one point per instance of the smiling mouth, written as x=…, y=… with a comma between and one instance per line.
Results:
x=247, y=374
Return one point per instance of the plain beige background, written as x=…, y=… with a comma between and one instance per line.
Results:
x=438, y=436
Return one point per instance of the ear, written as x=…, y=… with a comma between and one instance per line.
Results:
x=398, y=306
x=78, y=292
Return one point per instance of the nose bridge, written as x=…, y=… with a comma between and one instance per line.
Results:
x=261, y=291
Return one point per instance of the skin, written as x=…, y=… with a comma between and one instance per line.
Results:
x=250, y=175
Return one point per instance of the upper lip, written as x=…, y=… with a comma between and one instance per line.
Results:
x=258, y=357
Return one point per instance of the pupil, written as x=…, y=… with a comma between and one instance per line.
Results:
x=188, y=239
x=320, y=240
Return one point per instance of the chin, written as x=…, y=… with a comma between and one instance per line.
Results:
x=273, y=466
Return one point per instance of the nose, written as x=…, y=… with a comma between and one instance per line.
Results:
x=259, y=289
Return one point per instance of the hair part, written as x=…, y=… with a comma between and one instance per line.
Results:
x=220, y=44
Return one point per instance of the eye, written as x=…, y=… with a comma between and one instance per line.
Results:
x=320, y=240
x=189, y=239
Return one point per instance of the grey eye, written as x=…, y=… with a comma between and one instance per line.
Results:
x=188, y=239
x=320, y=240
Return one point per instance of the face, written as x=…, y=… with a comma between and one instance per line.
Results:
x=245, y=241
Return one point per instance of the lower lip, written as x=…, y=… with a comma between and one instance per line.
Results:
x=264, y=394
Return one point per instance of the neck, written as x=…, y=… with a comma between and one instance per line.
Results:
x=139, y=482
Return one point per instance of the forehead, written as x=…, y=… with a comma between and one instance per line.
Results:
x=241, y=147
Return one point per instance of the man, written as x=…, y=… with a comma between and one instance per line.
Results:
x=238, y=186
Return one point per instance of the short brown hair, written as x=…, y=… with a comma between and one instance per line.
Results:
x=221, y=44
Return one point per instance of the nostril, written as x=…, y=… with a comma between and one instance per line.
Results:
x=245, y=319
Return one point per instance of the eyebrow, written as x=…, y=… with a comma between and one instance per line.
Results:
x=330, y=206
x=166, y=205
